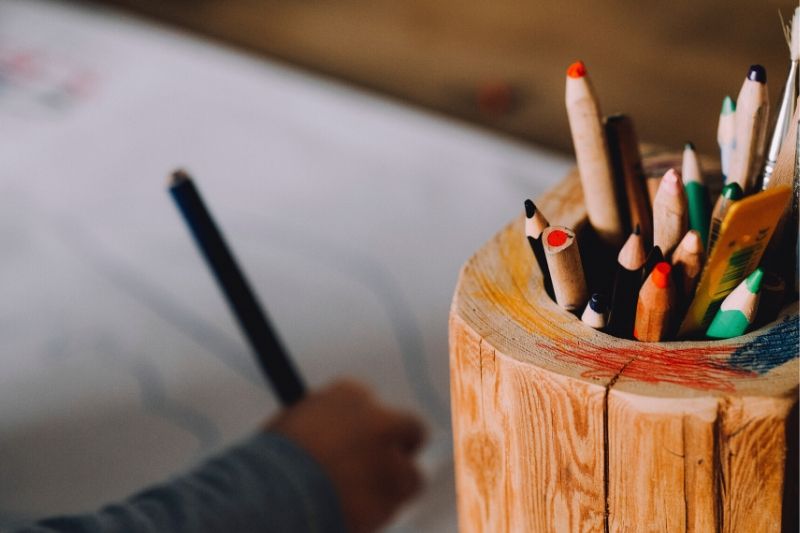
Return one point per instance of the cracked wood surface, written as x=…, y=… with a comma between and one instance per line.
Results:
x=558, y=427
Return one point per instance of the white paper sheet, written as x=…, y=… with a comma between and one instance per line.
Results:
x=119, y=362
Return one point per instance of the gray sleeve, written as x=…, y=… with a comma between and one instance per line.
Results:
x=265, y=484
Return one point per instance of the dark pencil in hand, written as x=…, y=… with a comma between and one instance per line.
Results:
x=272, y=358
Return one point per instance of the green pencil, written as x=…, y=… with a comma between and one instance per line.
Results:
x=737, y=310
x=696, y=192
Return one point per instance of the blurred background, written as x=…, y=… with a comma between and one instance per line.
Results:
x=501, y=63
x=355, y=152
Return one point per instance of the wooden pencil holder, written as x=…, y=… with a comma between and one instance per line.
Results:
x=560, y=428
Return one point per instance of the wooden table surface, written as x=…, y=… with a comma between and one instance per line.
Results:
x=501, y=63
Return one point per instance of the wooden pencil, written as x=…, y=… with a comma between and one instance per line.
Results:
x=653, y=258
x=591, y=152
x=627, y=281
x=655, y=306
x=697, y=198
x=535, y=224
x=566, y=270
x=670, y=217
x=596, y=312
x=626, y=160
x=274, y=361
x=687, y=264
x=738, y=309
x=726, y=135
x=730, y=194
x=752, y=113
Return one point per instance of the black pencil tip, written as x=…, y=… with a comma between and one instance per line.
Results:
x=598, y=303
x=757, y=73
x=178, y=177
x=530, y=209
x=637, y=230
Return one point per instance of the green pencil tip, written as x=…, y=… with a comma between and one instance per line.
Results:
x=728, y=106
x=689, y=145
x=732, y=191
x=753, y=281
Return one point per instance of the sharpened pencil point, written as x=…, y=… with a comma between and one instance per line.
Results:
x=688, y=145
x=530, y=209
x=637, y=230
x=598, y=303
x=576, y=70
x=728, y=106
x=757, y=73
x=178, y=177
x=661, y=275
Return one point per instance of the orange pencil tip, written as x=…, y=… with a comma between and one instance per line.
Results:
x=576, y=70
x=661, y=275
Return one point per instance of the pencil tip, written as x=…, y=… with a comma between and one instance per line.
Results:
x=661, y=274
x=530, y=209
x=757, y=73
x=598, y=303
x=637, y=230
x=728, y=106
x=688, y=145
x=576, y=70
x=732, y=191
x=178, y=177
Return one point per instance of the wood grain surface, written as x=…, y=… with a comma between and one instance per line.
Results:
x=558, y=427
x=501, y=64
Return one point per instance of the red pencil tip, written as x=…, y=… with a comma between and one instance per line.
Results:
x=661, y=275
x=557, y=238
x=576, y=70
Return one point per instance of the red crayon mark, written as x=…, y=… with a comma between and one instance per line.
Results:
x=703, y=368
x=557, y=237
x=576, y=70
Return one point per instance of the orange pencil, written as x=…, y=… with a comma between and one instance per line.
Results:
x=655, y=306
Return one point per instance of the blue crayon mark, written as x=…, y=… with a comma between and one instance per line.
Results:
x=770, y=350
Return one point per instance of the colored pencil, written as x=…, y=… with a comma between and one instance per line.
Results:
x=670, y=217
x=697, y=198
x=596, y=312
x=653, y=258
x=687, y=265
x=752, y=113
x=626, y=160
x=272, y=358
x=627, y=281
x=535, y=224
x=726, y=135
x=731, y=193
x=591, y=153
x=738, y=309
x=566, y=270
x=655, y=306
x=743, y=236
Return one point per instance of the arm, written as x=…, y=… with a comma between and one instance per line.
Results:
x=335, y=462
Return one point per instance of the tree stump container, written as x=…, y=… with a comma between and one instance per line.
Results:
x=561, y=428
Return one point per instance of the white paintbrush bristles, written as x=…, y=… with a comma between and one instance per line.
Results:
x=791, y=32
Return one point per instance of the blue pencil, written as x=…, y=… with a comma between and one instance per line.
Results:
x=274, y=361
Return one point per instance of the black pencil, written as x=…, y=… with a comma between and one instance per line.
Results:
x=627, y=281
x=274, y=361
x=535, y=224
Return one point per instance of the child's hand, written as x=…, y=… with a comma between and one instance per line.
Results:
x=366, y=449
